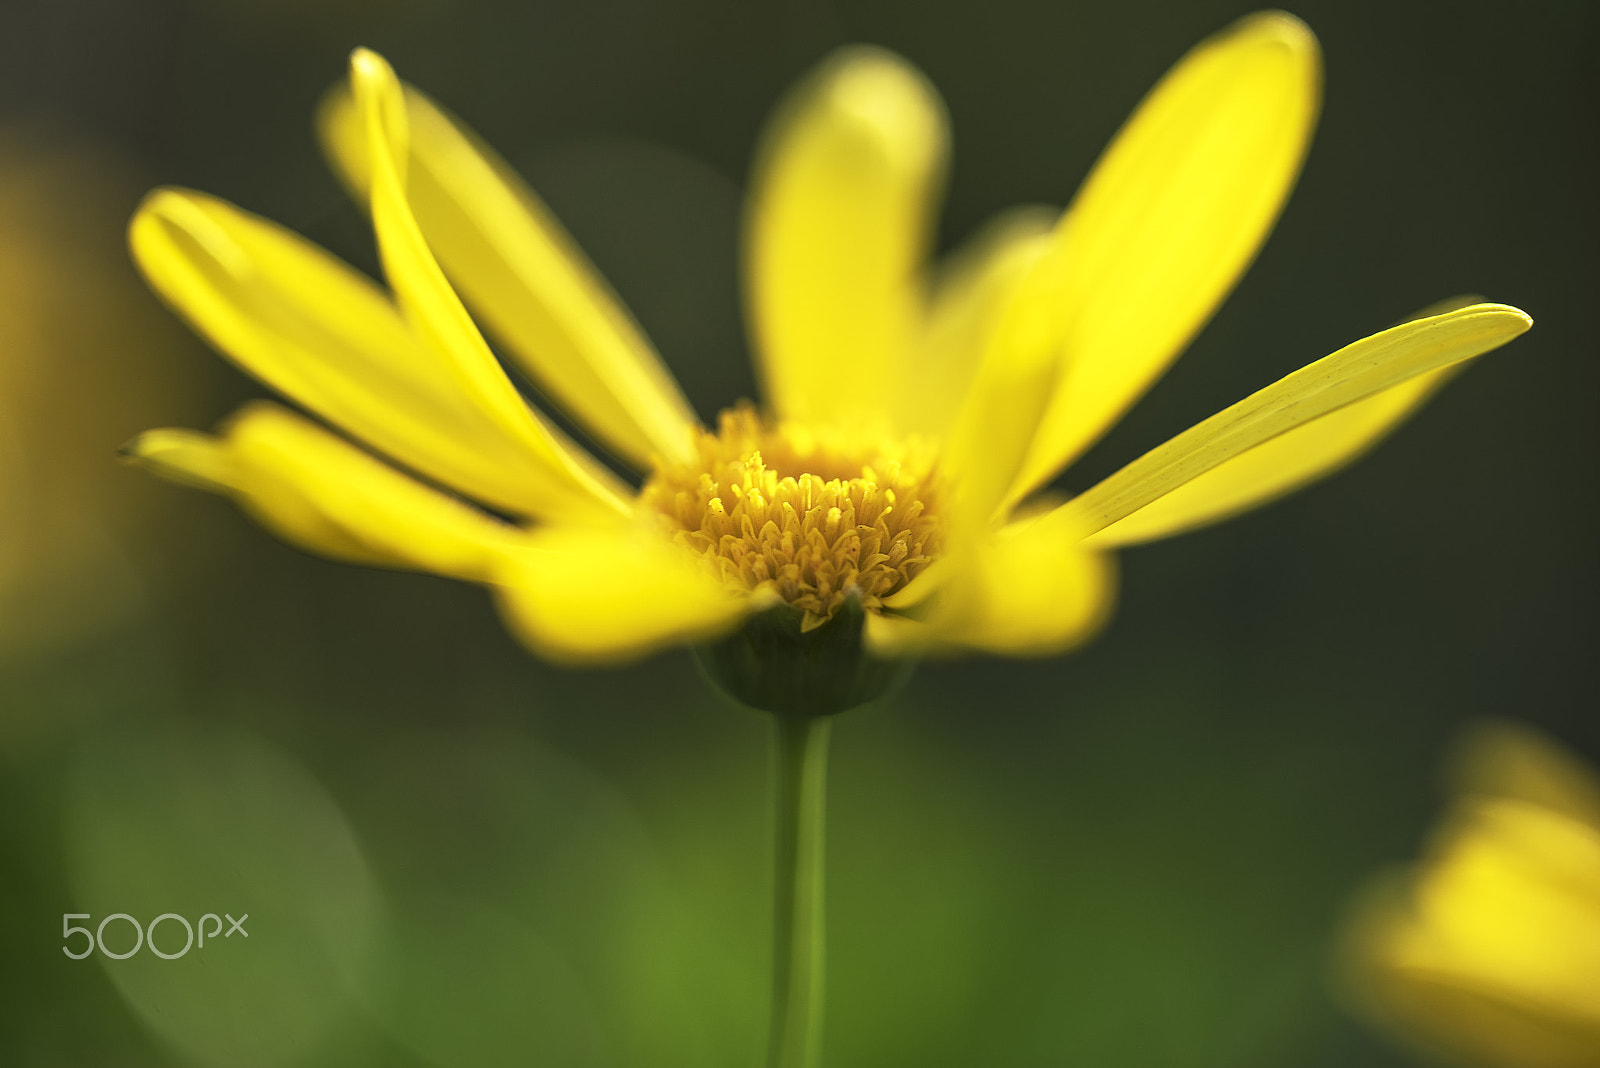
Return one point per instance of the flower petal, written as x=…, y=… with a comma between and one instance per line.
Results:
x=1356, y=373
x=1007, y=393
x=525, y=277
x=1028, y=592
x=970, y=295
x=324, y=495
x=1493, y=948
x=603, y=595
x=840, y=217
x=569, y=479
x=1490, y=948
x=319, y=332
x=1504, y=759
x=1292, y=459
x=1168, y=220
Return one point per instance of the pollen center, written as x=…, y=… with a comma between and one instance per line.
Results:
x=813, y=517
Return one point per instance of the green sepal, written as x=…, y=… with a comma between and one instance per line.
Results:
x=769, y=664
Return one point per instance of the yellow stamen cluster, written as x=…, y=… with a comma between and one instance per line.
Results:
x=811, y=517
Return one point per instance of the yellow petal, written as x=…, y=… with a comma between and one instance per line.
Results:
x=603, y=595
x=319, y=332
x=1505, y=760
x=1168, y=220
x=1490, y=949
x=1006, y=395
x=1408, y=975
x=571, y=482
x=1308, y=452
x=839, y=220
x=525, y=277
x=970, y=294
x=324, y=495
x=1497, y=852
x=1354, y=374
x=1505, y=914
x=1027, y=592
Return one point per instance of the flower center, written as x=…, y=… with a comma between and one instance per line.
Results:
x=812, y=516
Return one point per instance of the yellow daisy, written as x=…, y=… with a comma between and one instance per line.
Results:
x=1488, y=952
x=891, y=482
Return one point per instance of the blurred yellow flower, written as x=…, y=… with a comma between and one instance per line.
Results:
x=911, y=414
x=1488, y=952
x=72, y=387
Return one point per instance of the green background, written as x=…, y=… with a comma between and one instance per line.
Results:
x=453, y=854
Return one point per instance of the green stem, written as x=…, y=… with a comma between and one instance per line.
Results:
x=802, y=766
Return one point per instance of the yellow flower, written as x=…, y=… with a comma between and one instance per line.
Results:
x=1488, y=953
x=912, y=415
x=66, y=524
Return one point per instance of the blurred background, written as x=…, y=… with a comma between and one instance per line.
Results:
x=453, y=854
